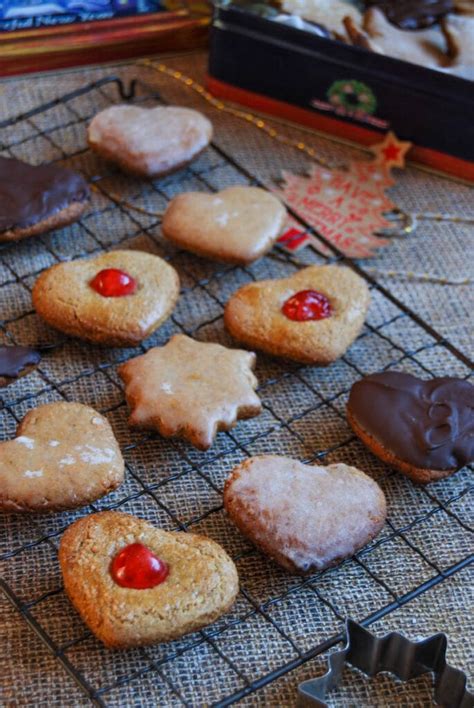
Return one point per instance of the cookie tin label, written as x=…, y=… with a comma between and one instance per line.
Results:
x=350, y=98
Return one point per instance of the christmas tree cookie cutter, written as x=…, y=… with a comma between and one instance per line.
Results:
x=395, y=653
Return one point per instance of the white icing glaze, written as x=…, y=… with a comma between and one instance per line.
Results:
x=222, y=219
x=33, y=473
x=97, y=421
x=166, y=388
x=95, y=455
x=24, y=440
x=312, y=515
x=53, y=443
x=153, y=139
x=68, y=460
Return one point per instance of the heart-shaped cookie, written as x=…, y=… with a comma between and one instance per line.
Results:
x=64, y=456
x=425, y=429
x=149, y=141
x=304, y=517
x=135, y=584
x=311, y=317
x=35, y=199
x=236, y=225
x=118, y=298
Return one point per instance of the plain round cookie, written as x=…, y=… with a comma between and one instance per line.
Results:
x=201, y=586
x=149, y=142
x=63, y=298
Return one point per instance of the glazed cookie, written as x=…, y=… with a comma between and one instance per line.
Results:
x=305, y=517
x=149, y=142
x=135, y=584
x=236, y=225
x=311, y=317
x=426, y=47
x=118, y=298
x=64, y=456
x=16, y=362
x=425, y=429
x=190, y=389
x=37, y=199
x=329, y=13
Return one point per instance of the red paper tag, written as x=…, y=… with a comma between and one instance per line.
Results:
x=346, y=206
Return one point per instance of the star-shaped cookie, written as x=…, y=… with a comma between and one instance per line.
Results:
x=191, y=389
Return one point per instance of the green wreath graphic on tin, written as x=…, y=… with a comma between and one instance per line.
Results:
x=352, y=97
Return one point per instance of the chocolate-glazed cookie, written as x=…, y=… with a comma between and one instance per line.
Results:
x=413, y=14
x=37, y=199
x=16, y=362
x=425, y=429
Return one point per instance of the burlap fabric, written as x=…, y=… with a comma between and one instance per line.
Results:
x=277, y=617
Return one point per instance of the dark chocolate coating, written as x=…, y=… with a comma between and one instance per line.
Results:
x=428, y=424
x=413, y=14
x=14, y=359
x=30, y=194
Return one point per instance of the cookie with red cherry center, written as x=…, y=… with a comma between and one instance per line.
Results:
x=135, y=584
x=425, y=429
x=117, y=298
x=311, y=317
x=149, y=142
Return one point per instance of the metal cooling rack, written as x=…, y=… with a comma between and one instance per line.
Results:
x=279, y=621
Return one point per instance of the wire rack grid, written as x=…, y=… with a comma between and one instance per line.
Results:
x=279, y=621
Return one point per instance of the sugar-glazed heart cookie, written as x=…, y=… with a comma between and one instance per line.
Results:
x=118, y=298
x=425, y=429
x=135, y=584
x=304, y=517
x=191, y=389
x=64, y=456
x=236, y=225
x=149, y=141
x=311, y=317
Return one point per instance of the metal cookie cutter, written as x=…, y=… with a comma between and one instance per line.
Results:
x=396, y=654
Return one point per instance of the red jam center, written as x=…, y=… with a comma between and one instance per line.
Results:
x=112, y=282
x=307, y=305
x=137, y=567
